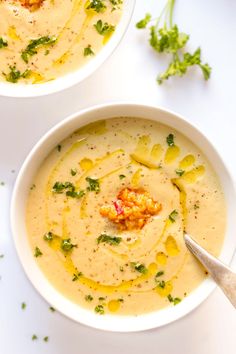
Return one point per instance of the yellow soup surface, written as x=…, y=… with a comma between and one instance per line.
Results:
x=107, y=211
x=41, y=40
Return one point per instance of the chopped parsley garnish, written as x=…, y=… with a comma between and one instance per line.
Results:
x=175, y=300
x=159, y=274
x=99, y=309
x=94, y=185
x=48, y=236
x=165, y=37
x=60, y=187
x=23, y=305
x=74, y=194
x=196, y=206
x=121, y=300
x=139, y=267
x=34, y=337
x=68, y=188
x=116, y=4
x=52, y=309
x=179, y=172
x=121, y=177
x=59, y=148
x=32, y=187
x=37, y=252
x=101, y=298
x=76, y=276
x=66, y=245
x=161, y=284
x=104, y=28
x=88, y=51
x=111, y=240
x=73, y=171
x=1, y=255
x=46, y=339
x=173, y=215
x=121, y=269
x=96, y=5
x=170, y=140
x=3, y=43
x=34, y=44
x=14, y=75
x=88, y=298
x=2, y=183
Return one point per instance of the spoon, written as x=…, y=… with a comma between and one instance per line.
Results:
x=224, y=277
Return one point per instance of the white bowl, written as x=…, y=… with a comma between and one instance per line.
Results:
x=73, y=78
x=18, y=206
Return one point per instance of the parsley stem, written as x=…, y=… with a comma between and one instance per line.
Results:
x=171, y=9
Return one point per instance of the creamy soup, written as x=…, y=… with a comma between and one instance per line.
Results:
x=41, y=40
x=107, y=211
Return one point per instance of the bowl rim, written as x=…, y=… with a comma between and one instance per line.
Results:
x=112, y=322
x=77, y=76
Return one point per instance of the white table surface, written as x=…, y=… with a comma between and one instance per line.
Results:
x=128, y=75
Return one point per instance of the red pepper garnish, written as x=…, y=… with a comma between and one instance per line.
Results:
x=118, y=207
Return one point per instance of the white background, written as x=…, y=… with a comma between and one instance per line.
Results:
x=129, y=74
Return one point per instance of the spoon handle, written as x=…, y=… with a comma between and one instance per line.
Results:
x=224, y=277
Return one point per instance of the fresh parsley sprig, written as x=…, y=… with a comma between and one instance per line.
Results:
x=166, y=38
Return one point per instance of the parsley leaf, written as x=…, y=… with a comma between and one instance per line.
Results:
x=104, y=28
x=88, y=51
x=37, y=252
x=161, y=284
x=68, y=188
x=59, y=187
x=144, y=22
x=34, y=44
x=139, y=267
x=88, y=298
x=179, y=172
x=48, y=236
x=66, y=245
x=94, y=185
x=3, y=43
x=175, y=300
x=96, y=5
x=99, y=309
x=14, y=74
x=159, y=274
x=170, y=140
x=173, y=215
x=116, y=4
x=73, y=171
x=111, y=240
x=121, y=177
x=23, y=305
